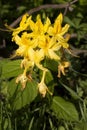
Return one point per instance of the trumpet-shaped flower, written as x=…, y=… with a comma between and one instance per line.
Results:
x=22, y=79
x=62, y=42
x=38, y=27
x=58, y=32
x=43, y=89
x=61, y=68
x=25, y=44
x=38, y=30
x=24, y=25
x=36, y=41
x=57, y=28
x=50, y=47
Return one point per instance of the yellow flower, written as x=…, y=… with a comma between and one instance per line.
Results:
x=57, y=28
x=36, y=41
x=36, y=55
x=61, y=68
x=25, y=44
x=38, y=27
x=58, y=32
x=50, y=47
x=38, y=30
x=43, y=89
x=24, y=25
x=63, y=41
x=27, y=64
x=22, y=79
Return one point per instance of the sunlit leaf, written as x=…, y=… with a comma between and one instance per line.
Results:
x=81, y=126
x=83, y=2
x=19, y=98
x=61, y=128
x=64, y=109
x=10, y=68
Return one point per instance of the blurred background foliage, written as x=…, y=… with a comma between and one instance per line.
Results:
x=35, y=113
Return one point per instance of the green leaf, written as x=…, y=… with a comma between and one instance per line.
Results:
x=52, y=65
x=0, y=70
x=61, y=128
x=67, y=20
x=49, y=81
x=83, y=2
x=48, y=77
x=3, y=88
x=51, y=124
x=10, y=68
x=61, y=1
x=31, y=123
x=64, y=109
x=81, y=126
x=21, y=8
x=72, y=93
x=19, y=98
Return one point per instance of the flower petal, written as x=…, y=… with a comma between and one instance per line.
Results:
x=53, y=55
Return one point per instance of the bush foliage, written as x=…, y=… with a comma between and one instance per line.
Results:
x=27, y=109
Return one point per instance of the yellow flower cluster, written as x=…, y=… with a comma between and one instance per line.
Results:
x=36, y=41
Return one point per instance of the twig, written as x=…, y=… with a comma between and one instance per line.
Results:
x=4, y=30
x=74, y=1
x=3, y=45
x=73, y=35
x=78, y=51
x=46, y=6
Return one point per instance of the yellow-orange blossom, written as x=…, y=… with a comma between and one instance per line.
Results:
x=36, y=41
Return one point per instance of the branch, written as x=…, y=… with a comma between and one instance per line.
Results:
x=46, y=6
x=73, y=35
x=76, y=51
